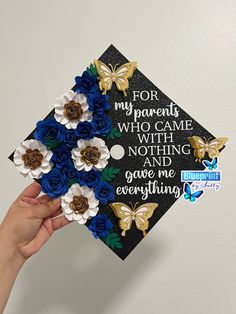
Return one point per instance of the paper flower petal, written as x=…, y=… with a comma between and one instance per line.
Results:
x=98, y=163
x=73, y=100
x=32, y=159
x=83, y=209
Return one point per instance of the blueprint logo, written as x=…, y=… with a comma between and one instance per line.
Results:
x=193, y=175
x=201, y=180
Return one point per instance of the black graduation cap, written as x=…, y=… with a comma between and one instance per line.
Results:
x=151, y=137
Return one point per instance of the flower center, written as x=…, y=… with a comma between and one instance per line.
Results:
x=90, y=155
x=73, y=111
x=32, y=158
x=79, y=205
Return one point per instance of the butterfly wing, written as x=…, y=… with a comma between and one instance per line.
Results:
x=215, y=162
x=195, y=195
x=208, y=164
x=105, y=76
x=187, y=190
x=215, y=145
x=142, y=214
x=123, y=212
x=122, y=74
x=199, y=146
x=186, y=196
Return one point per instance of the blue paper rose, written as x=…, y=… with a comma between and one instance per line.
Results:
x=70, y=174
x=90, y=178
x=85, y=130
x=49, y=132
x=54, y=184
x=61, y=155
x=71, y=139
x=98, y=103
x=102, y=125
x=86, y=83
x=104, y=192
x=100, y=226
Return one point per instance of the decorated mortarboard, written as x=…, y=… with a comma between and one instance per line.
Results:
x=118, y=152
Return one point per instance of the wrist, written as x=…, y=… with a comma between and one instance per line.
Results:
x=9, y=252
x=10, y=265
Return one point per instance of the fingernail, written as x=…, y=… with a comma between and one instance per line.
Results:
x=57, y=201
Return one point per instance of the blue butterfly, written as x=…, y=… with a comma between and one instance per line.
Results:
x=188, y=195
x=211, y=165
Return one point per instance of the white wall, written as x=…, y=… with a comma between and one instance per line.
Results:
x=187, y=264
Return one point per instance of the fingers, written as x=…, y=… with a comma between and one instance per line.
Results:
x=43, y=211
x=43, y=199
x=30, y=201
x=59, y=222
x=31, y=191
x=58, y=212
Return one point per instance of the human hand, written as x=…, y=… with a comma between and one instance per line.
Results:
x=31, y=221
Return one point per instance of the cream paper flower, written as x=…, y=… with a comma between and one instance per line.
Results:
x=72, y=108
x=79, y=203
x=90, y=154
x=32, y=159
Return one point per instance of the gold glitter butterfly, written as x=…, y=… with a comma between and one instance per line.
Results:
x=201, y=146
x=127, y=215
x=109, y=75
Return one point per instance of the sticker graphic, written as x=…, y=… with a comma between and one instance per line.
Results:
x=189, y=195
x=202, y=179
x=211, y=165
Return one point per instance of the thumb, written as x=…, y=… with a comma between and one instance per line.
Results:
x=45, y=210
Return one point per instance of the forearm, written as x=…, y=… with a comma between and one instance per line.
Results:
x=10, y=264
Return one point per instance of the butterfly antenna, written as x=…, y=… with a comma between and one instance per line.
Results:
x=116, y=67
x=131, y=205
x=135, y=205
x=111, y=66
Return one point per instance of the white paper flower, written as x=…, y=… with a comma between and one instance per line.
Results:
x=72, y=108
x=79, y=203
x=90, y=154
x=32, y=159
